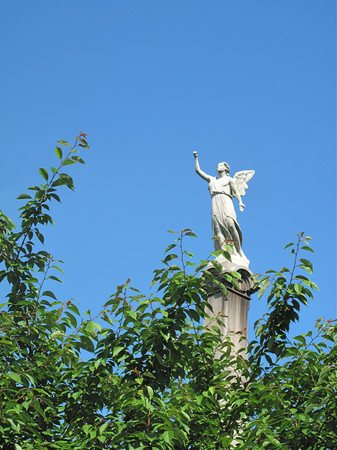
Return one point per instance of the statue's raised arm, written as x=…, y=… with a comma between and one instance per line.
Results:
x=200, y=172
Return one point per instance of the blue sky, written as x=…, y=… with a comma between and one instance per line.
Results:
x=247, y=82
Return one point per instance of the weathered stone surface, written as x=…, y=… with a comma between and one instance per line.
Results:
x=232, y=310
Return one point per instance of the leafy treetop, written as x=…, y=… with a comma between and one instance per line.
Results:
x=150, y=378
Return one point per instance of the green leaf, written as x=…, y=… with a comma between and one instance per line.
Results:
x=117, y=350
x=56, y=197
x=86, y=344
x=189, y=263
x=57, y=268
x=14, y=376
x=170, y=247
x=103, y=427
x=306, y=247
x=52, y=277
x=223, y=289
x=301, y=339
x=132, y=314
x=150, y=392
x=298, y=288
x=44, y=173
x=193, y=315
x=49, y=294
x=301, y=277
x=201, y=266
x=67, y=180
x=86, y=428
x=259, y=329
x=168, y=436
x=217, y=266
x=30, y=379
x=58, y=152
x=211, y=389
x=174, y=267
x=71, y=319
x=34, y=188
x=63, y=143
x=15, y=426
x=68, y=162
x=78, y=159
x=64, y=180
x=190, y=233
x=226, y=254
x=263, y=289
x=24, y=197
x=73, y=308
x=91, y=330
x=170, y=257
x=39, y=236
x=236, y=275
x=57, y=334
x=306, y=265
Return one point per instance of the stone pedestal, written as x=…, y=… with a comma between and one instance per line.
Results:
x=232, y=310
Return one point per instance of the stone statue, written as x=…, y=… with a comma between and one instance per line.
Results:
x=223, y=188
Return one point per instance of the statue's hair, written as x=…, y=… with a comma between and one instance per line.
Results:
x=226, y=165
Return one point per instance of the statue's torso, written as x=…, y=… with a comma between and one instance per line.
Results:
x=220, y=186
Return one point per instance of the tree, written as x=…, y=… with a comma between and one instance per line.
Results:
x=151, y=380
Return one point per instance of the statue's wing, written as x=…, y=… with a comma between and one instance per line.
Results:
x=241, y=179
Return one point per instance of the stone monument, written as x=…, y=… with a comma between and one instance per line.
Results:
x=233, y=309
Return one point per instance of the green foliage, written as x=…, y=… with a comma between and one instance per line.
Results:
x=150, y=378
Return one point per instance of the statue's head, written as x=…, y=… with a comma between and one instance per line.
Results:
x=222, y=167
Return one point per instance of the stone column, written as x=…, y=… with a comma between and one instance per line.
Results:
x=232, y=310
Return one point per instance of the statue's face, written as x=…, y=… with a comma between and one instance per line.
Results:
x=221, y=167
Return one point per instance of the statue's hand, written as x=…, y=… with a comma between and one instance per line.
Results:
x=195, y=155
x=242, y=206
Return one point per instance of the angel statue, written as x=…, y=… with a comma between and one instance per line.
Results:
x=223, y=188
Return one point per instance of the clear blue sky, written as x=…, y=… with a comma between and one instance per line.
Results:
x=247, y=82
